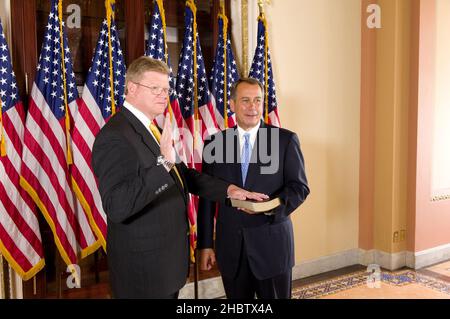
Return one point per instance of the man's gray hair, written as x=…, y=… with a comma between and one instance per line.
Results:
x=250, y=81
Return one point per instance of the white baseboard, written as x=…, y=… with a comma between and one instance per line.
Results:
x=385, y=260
x=325, y=264
x=414, y=260
x=428, y=257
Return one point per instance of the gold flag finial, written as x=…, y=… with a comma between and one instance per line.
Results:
x=222, y=7
x=261, y=4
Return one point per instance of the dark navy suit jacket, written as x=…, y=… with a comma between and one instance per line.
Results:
x=268, y=239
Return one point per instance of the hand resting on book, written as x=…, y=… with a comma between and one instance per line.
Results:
x=256, y=207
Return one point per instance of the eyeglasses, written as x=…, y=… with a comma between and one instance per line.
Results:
x=156, y=90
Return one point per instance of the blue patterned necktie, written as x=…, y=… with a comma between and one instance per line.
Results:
x=245, y=159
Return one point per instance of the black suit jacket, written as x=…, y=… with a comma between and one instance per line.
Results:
x=147, y=240
x=268, y=239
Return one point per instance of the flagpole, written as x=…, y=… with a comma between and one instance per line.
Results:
x=63, y=71
x=244, y=19
x=262, y=18
x=193, y=8
x=109, y=17
x=58, y=271
x=166, y=55
x=66, y=104
x=225, y=76
x=2, y=133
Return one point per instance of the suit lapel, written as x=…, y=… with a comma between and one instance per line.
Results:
x=142, y=131
x=235, y=165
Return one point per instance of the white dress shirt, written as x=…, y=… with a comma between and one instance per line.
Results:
x=253, y=133
x=141, y=117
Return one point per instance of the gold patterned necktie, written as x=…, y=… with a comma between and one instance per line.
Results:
x=157, y=135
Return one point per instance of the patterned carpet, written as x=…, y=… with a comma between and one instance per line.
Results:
x=361, y=278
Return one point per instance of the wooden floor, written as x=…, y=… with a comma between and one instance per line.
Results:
x=98, y=288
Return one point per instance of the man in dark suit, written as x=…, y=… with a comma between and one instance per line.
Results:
x=255, y=251
x=144, y=193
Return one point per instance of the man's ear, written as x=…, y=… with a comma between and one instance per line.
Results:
x=131, y=86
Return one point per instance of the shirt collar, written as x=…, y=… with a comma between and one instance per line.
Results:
x=138, y=113
x=253, y=132
x=140, y=116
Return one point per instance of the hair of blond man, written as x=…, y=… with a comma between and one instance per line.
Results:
x=141, y=65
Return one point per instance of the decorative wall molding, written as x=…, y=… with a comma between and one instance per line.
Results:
x=438, y=198
x=440, y=194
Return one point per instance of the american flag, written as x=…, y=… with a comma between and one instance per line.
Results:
x=47, y=152
x=95, y=108
x=157, y=49
x=259, y=69
x=223, y=75
x=20, y=238
x=193, y=92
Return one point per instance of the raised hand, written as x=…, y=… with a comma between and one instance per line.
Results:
x=166, y=141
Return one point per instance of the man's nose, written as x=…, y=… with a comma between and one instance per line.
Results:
x=253, y=104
